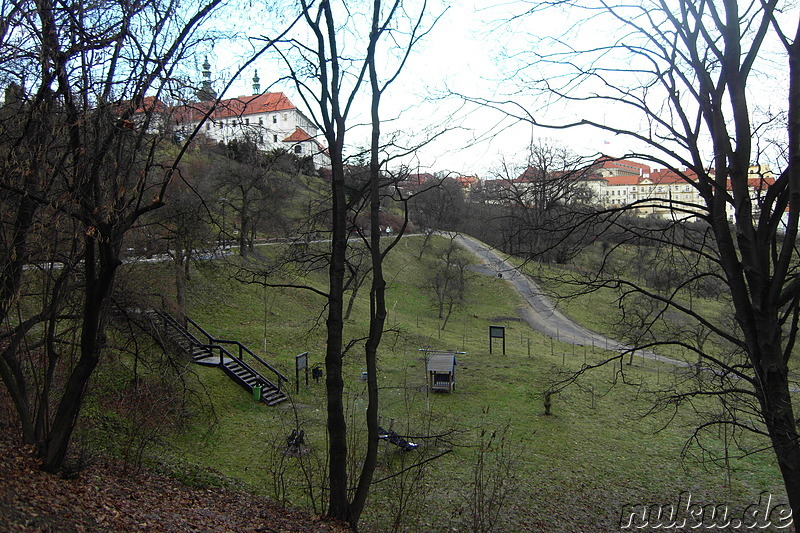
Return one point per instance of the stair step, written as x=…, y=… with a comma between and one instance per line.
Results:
x=276, y=401
x=165, y=328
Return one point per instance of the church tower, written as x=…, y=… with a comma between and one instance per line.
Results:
x=206, y=92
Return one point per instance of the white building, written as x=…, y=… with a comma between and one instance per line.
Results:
x=270, y=120
x=663, y=193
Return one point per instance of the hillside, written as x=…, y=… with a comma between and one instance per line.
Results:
x=105, y=497
x=488, y=450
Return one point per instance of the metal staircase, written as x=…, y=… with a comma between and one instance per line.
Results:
x=236, y=360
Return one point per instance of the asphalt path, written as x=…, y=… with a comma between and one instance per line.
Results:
x=540, y=312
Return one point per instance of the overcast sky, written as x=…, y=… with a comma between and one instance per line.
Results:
x=463, y=53
x=457, y=54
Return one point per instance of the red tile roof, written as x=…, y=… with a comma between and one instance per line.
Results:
x=760, y=183
x=149, y=103
x=623, y=180
x=466, y=181
x=299, y=135
x=663, y=176
x=532, y=174
x=235, y=107
x=606, y=161
x=418, y=179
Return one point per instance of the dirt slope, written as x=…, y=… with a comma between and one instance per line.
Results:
x=104, y=498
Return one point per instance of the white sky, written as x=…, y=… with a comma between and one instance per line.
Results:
x=461, y=54
x=454, y=55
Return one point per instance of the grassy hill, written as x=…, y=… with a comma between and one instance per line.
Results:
x=501, y=461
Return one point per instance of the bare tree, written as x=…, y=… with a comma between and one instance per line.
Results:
x=250, y=185
x=536, y=196
x=83, y=158
x=330, y=76
x=437, y=205
x=182, y=229
x=687, y=72
x=448, y=279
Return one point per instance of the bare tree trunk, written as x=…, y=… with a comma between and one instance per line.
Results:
x=355, y=284
x=99, y=282
x=334, y=108
x=782, y=427
x=377, y=300
x=334, y=384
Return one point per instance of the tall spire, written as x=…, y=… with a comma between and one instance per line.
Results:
x=256, y=84
x=206, y=71
x=206, y=92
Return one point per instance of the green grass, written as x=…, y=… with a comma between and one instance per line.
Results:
x=571, y=471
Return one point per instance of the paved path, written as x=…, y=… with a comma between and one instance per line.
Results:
x=540, y=312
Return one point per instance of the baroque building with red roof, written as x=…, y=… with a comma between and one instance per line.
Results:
x=617, y=183
x=270, y=120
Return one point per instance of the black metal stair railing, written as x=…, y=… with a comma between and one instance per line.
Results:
x=229, y=355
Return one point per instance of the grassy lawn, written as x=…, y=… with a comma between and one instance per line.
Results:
x=571, y=471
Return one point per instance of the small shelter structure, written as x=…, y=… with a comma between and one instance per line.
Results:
x=441, y=371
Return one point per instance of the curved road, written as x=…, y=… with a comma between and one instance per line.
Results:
x=540, y=312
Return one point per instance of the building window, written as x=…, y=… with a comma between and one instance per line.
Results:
x=260, y=121
x=219, y=126
x=298, y=149
x=247, y=121
x=274, y=119
x=208, y=126
x=274, y=138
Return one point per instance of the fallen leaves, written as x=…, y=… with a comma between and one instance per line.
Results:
x=103, y=497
